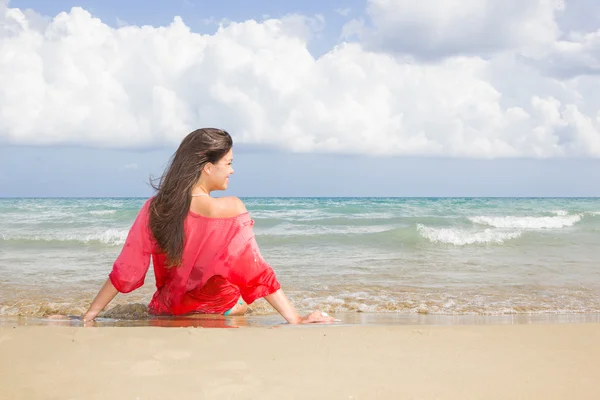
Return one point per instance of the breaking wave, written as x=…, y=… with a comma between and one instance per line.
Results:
x=461, y=237
x=113, y=237
x=510, y=222
x=103, y=212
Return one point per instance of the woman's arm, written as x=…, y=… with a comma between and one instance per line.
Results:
x=232, y=206
x=130, y=267
x=104, y=296
x=282, y=304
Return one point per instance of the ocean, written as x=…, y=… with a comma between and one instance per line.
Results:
x=400, y=256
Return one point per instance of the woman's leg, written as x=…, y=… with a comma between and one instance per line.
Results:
x=239, y=309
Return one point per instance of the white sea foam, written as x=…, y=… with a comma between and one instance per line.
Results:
x=560, y=213
x=40, y=217
x=113, y=237
x=103, y=212
x=460, y=237
x=346, y=302
x=313, y=230
x=110, y=236
x=511, y=222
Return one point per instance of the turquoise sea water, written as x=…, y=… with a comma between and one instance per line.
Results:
x=453, y=256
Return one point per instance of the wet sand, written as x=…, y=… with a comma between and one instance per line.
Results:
x=530, y=361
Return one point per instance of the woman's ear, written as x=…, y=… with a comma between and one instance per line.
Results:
x=207, y=168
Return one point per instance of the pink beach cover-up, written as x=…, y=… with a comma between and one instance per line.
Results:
x=221, y=262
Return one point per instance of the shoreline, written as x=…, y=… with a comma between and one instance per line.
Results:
x=549, y=361
x=274, y=320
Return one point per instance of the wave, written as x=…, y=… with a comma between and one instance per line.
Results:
x=320, y=230
x=473, y=301
x=113, y=237
x=102, y=212
x=354, y=220
x=461, y=237
x=510, y=222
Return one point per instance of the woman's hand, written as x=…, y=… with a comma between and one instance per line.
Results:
x=90, y=316
x=282, y=304
x=317, y=316
x=104, y=296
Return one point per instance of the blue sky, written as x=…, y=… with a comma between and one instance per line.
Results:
x=339, y=98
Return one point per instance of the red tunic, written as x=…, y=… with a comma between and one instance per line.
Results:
x=221, y=262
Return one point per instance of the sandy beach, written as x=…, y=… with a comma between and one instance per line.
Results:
x=556, y=361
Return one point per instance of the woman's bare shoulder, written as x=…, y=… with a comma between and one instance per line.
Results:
x=227, y=207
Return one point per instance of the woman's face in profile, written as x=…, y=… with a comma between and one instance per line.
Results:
x=221, y=171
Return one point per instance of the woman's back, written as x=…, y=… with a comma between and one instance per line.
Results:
x=224, y=207
x=221, y=246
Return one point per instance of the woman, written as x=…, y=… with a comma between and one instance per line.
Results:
x=203, y=249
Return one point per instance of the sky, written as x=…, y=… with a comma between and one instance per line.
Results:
x=338, y=98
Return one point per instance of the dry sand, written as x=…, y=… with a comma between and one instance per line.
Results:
x=315, y=362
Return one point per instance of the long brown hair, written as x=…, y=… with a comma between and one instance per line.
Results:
x=171, y=204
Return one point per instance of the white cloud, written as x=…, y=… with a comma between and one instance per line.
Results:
x=579, y=16
x=130, y=166
x=301, y=26
x=76, y=80
x=437, y=28
x=344, y=12
x=577, y=54
x=121, y=22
